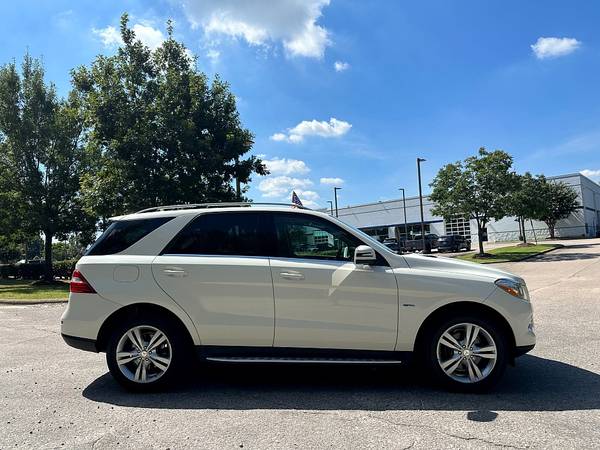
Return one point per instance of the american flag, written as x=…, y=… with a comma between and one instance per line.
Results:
x=296, y=199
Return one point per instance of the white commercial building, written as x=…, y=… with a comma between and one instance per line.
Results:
x=387, y=219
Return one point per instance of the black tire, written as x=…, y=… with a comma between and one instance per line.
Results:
x=430, y=353
x=177, y=342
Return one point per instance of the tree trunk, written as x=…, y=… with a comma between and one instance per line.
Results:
x=522, y=222
x=551, y=229
x=48, y=275
x=480, y=238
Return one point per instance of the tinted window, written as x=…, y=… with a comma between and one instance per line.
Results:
x=304, y=236
x=244, y=234
x=123, y=234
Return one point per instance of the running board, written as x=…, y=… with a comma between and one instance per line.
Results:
x=242, y=359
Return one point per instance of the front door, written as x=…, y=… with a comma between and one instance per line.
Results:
x=217, y=270
x=324, y=300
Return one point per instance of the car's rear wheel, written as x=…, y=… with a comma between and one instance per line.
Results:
x=467, y=353
x=146, y=353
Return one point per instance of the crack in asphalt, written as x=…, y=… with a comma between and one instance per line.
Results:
x=458, y=436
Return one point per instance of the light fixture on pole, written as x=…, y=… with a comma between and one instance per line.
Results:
x=330, y=206
x=335, y=189
x=425, y=249
x=404, y=206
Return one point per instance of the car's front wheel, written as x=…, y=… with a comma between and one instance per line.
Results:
x=146, y=353
x=467, y=353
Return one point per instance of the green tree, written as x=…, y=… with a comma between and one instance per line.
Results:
x=159, y=132
x=558, y=201
x=41, y=153
x=477, y=188
x=524, y=202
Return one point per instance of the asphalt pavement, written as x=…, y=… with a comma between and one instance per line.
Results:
x=53, y=396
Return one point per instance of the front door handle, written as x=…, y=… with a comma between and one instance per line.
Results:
x=176, y=272
x=291, y=275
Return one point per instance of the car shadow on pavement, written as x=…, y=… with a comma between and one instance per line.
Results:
x=536, y=384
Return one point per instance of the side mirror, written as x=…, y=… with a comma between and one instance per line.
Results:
x=364, y=255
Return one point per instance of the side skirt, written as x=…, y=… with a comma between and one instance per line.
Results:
x=299, y=355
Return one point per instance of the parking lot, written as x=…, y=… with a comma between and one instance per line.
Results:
x=53, y=396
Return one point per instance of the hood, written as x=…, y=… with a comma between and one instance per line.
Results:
x=451, y=265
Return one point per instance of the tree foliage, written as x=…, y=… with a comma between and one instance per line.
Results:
x=524, y=202
x=159, y=131
x=557, y=201
x=41, y=156
x=477, y=188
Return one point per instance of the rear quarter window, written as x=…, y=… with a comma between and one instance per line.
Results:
x=123, y=234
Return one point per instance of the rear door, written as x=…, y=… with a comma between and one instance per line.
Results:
x=217, y=269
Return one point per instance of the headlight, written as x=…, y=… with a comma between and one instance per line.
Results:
x=514, y=288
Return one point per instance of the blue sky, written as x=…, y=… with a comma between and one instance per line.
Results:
x=434, y=79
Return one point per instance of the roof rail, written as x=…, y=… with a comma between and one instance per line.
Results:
x=215, y=205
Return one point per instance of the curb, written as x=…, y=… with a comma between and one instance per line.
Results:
x=543, y=252
x=42, y=301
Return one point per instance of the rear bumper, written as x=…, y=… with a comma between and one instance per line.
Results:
x=88, y=345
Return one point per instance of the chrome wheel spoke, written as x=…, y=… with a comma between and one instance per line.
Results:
x=452, y=364
x=485, y=352
x=159, y=341
x=126, y=357
x=133, y=339
x=473, y=338
x=449, y=341
x=478, y=373
x=160, y=363
x=157, y=335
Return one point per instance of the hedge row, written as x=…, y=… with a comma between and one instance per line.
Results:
x=35, y=271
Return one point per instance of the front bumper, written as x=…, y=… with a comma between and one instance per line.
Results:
x=520, y=351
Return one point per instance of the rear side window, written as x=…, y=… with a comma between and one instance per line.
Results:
x=242, y=234
x=123, y=234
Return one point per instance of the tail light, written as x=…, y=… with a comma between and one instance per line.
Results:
x=80, y=285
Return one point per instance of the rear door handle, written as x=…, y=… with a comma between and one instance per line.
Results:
x=176, y=272
x=291, y=275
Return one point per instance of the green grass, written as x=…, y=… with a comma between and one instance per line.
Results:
x=510, y=254
x=24, y=290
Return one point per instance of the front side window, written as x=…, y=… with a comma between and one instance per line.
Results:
x=241, y=234
x=304, y=236
x=123, y=234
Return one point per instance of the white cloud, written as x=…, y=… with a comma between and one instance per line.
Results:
x=281, y=186
x=283, y=166
x=593, y=174
x=341, y=66
x=213, y=55
x=333, y=128
x=261, y=23
x=278, y=137
x=332, y=181
x=111, y=36
x=552, y=47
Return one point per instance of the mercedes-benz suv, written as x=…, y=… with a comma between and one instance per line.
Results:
x=263, y=283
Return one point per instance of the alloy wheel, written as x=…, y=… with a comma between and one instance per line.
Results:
x=143, y=354
x=466, y=352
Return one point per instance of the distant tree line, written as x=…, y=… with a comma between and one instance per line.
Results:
x=139, y=128
x=485, y=187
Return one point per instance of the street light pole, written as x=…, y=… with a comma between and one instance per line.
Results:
x=419, y=161
x=335, y=189
x=404, y=206
x=330, y=206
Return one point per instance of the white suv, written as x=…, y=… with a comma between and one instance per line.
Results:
x=265, y=283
